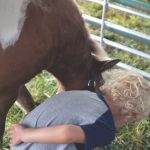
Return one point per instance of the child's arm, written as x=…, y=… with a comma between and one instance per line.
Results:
x=60, y=134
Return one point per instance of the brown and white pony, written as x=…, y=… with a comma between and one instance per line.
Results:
x=44, y=34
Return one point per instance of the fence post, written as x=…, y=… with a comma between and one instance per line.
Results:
x=105, y=6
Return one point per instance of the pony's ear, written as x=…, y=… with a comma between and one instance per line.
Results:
x=102, y=66
x=96, y=79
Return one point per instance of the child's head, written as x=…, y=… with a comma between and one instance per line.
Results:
x=130, y=92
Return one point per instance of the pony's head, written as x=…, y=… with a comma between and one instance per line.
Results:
x=96, y=80
x=100, y=63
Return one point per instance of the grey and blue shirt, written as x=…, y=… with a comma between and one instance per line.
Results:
x=82, y=108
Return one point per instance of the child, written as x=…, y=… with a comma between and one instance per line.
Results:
x=85, y=120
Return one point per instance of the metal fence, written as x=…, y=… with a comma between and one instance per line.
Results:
x=103, y=24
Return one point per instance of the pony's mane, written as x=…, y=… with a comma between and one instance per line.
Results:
x=98, y=51
x=12, y=17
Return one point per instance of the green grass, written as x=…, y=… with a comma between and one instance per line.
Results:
x=134, y=136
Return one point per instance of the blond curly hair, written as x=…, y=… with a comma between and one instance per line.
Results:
x=129, y=90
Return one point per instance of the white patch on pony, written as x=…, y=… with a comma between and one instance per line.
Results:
x=12, y=18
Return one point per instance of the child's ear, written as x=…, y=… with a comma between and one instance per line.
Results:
x=132, y=117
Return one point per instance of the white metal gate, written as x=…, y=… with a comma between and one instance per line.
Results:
x=120, y=30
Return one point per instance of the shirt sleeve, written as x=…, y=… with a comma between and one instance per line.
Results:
x=99, y=134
